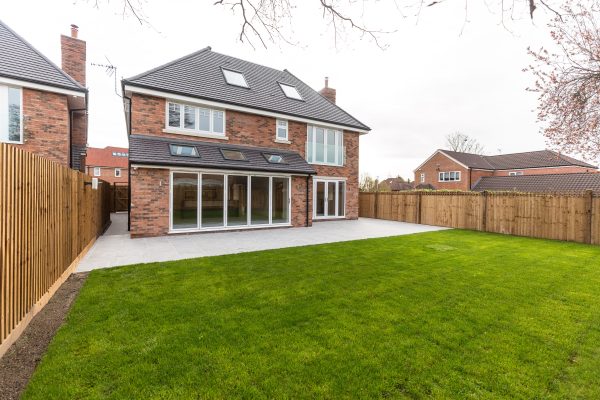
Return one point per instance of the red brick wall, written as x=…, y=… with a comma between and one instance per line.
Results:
x=149, y=202
x=46, y=125
x=441, y=163
x=148, y=118
x=79, y=138
x=73, y=57
x=108, y=174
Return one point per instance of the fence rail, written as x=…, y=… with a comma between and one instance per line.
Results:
x=49, y=216
x=572, y=217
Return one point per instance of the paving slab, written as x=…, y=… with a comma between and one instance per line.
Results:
x=116, y=248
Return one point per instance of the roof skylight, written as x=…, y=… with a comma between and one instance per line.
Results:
x=290, y=91
x=234, y=78
x=233, y=155
x=185, y=151
x=274, y=158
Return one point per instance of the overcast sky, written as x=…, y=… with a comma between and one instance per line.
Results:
x=431, y=80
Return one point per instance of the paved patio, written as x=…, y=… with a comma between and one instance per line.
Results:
x=116, y=248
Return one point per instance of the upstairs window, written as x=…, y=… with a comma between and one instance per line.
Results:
x=184, y=151
x=117, y=172
x=452, y=176
x=195, y=119
x=11, y=118
x=422, y=178
x=233, y=155
x=234, y=78
x=290, y=91
x=97, y=171
x=282, y=130
x=325, y=146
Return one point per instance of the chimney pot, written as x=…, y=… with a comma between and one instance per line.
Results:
x=326, y=82
x=74, y=31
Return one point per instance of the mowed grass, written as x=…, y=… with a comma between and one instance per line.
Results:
x=451, y=314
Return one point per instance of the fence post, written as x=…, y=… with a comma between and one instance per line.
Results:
x=376, y=208
x=419, y=207
x=484, y=211
x=589, y=203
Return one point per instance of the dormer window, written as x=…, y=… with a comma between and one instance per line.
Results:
x=234, y=78
x=290, y=91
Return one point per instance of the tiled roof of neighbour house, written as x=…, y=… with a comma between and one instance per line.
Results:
x=21, y=61
x=200, y=75
x=154, y=150
x=104, y=157
x=559, y=183
x=397, y=184
x=530, y=159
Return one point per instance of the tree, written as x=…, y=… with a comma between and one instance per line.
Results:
x=368, y=183
x=568, y=80
x=458, y=141
x=266, y=20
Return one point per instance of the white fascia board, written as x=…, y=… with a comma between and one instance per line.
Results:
x=37, y=86
x=217, y=171
x=210, y=103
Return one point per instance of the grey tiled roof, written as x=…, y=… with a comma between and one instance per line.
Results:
x=530, y=159
x=560, y=183
x=200, y=75
x=155, y=151
x=20, y=60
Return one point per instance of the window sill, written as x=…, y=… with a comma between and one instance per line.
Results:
x=325, y=164
x=196, y=134
x=10, y=142
x=282, y=141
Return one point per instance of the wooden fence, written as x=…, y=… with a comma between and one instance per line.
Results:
x=50, y=215
x=572, y=217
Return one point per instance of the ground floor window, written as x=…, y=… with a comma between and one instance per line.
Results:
x=211, y=200
x=329, y=198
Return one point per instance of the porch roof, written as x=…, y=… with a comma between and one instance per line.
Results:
x=153, y=150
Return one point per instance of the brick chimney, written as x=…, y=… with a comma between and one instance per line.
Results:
x=327, y=92
x=73, y=55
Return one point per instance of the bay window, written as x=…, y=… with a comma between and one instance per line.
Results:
x=194, y=119
x=11, y=118
x=324, y=146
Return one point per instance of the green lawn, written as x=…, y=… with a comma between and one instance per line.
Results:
x=451, y=314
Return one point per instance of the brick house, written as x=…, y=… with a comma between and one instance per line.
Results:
x=219, y=143
x=453, y=170
x=43, y=108
x=109, y=164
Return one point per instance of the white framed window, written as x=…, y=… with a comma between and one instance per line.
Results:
x=422, y=178
x=117, y=172
x=11, y=114
x=325, y=146
x=97, y=171
x=195, y=119
x=282, y=130
x=515, y=173
x=451, y=176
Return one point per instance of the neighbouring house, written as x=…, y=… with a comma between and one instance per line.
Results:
x=43, y=108
x=395, y=185
x=110, y=164
x=555, y=183
x=454, y=170
x=218, y=143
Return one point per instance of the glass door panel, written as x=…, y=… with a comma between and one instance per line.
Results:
x=330, y=199
x=185, y=201
x=259, y=200
x=320, y=199
x=237, y=199
x=281, y=200
x=212, y=200
x=341, y=198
